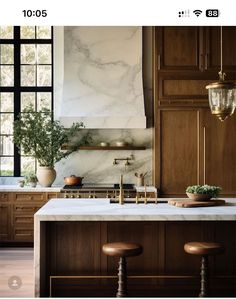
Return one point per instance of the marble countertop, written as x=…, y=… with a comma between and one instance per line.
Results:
x=15, y=188
x=101, y=209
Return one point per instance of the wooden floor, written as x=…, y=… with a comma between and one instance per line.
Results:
x=16, y=266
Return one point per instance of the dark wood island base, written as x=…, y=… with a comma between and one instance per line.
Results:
x=72, y=263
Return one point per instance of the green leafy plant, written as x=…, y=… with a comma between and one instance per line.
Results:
x=37, y=135
x=214, y=191
x=31, y=177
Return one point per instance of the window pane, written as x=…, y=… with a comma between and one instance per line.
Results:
x=44, y=75
x=27, y=165
x=7, y=54
x=44, y=100
x=6, y=32
x=28, y=54
x=43, y=32
x=27, y=32
x=6, y=102
x=27, y=99
x=7, y=75
x=6, y=166
x=28, y=75
x=6, y=120
x=6, y=146
x=44, y=54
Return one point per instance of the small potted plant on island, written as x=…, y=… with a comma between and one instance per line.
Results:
x=31, y=180
x=202, y=192
x=36, y=134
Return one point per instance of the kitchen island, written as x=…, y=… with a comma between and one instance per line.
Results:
x=69, y=234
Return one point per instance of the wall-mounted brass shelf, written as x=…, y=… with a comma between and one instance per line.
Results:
x=103, y=148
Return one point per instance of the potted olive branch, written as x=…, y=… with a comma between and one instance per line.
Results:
x=37, y=135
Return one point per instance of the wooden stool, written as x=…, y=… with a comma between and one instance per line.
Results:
x=204, y=249
x=122, y=250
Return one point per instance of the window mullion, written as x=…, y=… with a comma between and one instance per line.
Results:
x=17, y=108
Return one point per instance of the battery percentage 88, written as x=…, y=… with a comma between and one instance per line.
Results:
x=212, y=13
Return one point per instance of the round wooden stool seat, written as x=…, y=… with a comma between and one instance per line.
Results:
x=203, y=248
x=122, y=249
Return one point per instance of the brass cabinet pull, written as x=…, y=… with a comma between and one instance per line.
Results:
x=206, y=61
x=159, y=61
x=204, y=155
x=202, y=62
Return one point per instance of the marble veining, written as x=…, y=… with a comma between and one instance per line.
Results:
x=103, y=77
x=97, y=166
x=101, y=209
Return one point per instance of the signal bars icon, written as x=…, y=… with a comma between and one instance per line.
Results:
x=197, y=12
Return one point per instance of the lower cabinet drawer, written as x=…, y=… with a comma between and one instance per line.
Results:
x=24, y=234
x=29, y=197
x=20, y=220
x=23, y=209
x=4, y=197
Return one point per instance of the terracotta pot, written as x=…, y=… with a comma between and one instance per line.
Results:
x=73, y=180
x=46, y=176
x=199, y=197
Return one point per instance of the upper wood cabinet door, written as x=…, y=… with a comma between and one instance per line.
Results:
x=177, y=151
x=219, y=159
x=179, y=48
x=212, y=56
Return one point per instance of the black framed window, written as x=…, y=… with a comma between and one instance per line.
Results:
x=26, y=77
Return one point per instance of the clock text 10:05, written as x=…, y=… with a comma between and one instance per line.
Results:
x=34, y=13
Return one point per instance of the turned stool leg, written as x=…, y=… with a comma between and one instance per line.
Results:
x=204, y=277
x=122, y=284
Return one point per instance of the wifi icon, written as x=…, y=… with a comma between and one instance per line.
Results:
x=197, y=12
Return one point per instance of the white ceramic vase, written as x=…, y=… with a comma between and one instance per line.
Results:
x=46, y=176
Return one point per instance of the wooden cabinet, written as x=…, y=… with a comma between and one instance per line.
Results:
x=194, y=147
x=191, y=145
x=212, y=48
x=23, y=220
x=72, y=251
x=218, y=148
x=29, y=197
x=17, y=211
x=194, y=48
x=179, y=48
x=5, y=222
x=187, y=59
x=177, y=152
x=24, y=206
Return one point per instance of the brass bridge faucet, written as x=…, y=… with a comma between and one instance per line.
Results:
x=121, y=195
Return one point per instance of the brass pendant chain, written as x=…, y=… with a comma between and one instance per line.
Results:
x=221, y=73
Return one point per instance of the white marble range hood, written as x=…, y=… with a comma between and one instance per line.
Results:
x=102, y=83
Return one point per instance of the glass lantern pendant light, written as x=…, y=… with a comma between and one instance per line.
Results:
x=222, y=94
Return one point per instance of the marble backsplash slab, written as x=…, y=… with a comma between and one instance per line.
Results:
x=97, y=166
